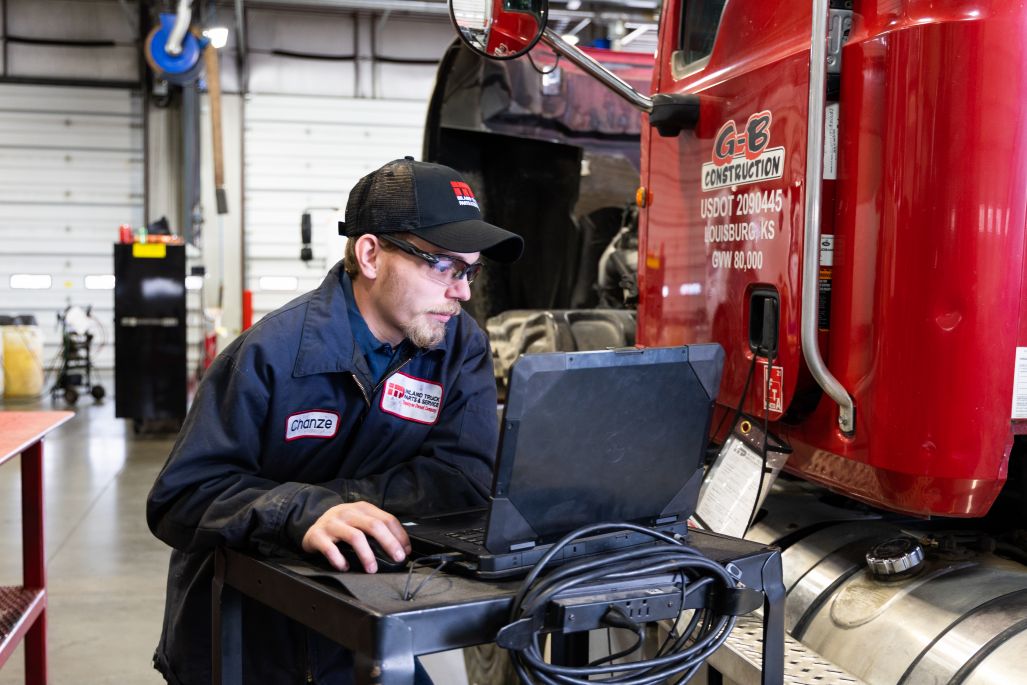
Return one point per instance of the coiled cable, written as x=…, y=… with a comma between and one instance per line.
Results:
x=681, y=653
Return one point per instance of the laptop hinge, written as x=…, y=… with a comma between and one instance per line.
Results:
x=666, y=519
x=521, y=545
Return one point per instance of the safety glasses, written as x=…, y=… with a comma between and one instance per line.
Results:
x=445, y=268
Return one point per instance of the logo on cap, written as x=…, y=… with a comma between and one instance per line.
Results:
x=464, y=194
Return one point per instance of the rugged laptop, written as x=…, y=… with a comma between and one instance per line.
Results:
x=587, y=437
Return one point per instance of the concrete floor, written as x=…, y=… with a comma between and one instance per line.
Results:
x=106, y=572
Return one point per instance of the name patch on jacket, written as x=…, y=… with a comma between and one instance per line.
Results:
x=312, y=424
x=414, y=399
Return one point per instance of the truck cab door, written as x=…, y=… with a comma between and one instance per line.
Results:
x=722, y=230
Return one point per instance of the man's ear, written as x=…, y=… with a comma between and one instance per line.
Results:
x=368, y=252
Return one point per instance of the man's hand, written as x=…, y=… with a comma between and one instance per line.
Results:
x=351, y=524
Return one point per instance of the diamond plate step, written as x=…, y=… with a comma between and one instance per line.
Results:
x=740, y=657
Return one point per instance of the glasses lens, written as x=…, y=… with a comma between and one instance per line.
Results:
x=450, y=269
x=472, y=271
x=445, y=266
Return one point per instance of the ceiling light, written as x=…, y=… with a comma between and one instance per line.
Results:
x=218, y=36
x=30, y=281
x=99, y=282
x=280, y=283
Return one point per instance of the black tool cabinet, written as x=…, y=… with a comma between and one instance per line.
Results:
x=149, y=333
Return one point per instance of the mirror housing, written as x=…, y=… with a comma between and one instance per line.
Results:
x=673, y=113
x=499, y=29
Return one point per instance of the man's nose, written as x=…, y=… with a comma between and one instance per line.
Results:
x=459, y=290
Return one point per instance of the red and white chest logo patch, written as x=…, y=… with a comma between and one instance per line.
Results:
x=464, y=194
x=414, y=399
x=317, y=423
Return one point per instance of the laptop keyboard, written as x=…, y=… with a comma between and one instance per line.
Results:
x=475, y=536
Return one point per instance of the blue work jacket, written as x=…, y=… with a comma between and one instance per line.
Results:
x=288, y=423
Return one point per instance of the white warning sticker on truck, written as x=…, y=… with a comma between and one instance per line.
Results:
x=831, y=142
x=1020, y=384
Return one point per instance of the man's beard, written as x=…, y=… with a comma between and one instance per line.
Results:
x=426, y=332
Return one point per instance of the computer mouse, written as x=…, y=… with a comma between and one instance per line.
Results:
x=385, y=561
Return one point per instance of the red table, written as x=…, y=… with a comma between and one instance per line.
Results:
x=23, y=607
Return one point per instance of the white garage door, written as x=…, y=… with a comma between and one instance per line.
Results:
x=71, y=171
x=307, y=152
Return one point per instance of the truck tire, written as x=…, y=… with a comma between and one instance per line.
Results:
x=489, y=665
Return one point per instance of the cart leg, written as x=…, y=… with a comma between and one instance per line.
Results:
x=34, y=558
x=226, y=628
x=773, y=622
x=388, y=662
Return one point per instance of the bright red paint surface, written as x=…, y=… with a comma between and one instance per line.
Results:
x=928, y=213
x=511, y=30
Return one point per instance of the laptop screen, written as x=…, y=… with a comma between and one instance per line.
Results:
x=611, y=435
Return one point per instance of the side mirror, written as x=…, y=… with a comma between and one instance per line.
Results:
x=501, y=29
x=504, y=29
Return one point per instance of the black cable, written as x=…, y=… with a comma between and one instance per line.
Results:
x=677, y=658
x=543, y=71
x=425, y=562
x=766, y=442
x=639, y=644
x=741, y=401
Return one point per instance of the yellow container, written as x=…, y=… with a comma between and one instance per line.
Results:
x=23, y=361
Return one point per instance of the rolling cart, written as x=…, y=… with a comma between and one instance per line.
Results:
x=75, y=376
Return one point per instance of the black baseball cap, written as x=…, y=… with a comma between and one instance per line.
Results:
x=430, y=201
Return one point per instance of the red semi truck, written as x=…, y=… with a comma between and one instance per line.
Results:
x=836, y=192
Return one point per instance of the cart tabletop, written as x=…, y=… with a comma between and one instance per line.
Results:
x=20, y=429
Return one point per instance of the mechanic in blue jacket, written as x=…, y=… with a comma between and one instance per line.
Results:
x=370, y=397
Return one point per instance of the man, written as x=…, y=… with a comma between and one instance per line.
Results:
x=370, y=397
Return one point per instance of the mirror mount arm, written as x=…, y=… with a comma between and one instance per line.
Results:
x=669, y=113
x=643, y=103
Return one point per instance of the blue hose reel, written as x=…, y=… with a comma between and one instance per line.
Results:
x=181, y=69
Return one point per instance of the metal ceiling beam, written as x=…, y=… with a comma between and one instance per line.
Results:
x=625, y=10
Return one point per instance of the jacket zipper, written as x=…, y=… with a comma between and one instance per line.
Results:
x=308, y=672
x=389, y=373
x=363, y=392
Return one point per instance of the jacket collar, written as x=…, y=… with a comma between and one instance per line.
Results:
x=326, y=344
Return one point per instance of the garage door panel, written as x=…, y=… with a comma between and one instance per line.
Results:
x=69, y=99
x=269, y=72
x=305, y=152
x=267, y=201
x=36, y=244
x=78, y=217
x=71, y=171
x=307, y=110
x=71, y=265
x=115, y=63
x=406, y=81
x=285, y=133
x=69, y=131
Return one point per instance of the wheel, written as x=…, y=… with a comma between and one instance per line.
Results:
x=489, y=665
x=98, y=392
x=70, y=395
